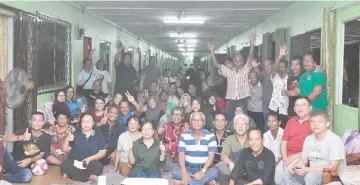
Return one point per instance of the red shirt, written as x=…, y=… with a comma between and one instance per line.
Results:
x=295, y=134
x=171, y=137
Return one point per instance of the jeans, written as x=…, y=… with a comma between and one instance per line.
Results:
x=312, y=178
x=282, y=173
x=136, y=172
x=14, y=173
x=210, y=175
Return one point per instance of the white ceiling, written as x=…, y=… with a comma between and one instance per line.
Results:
x=224, y=20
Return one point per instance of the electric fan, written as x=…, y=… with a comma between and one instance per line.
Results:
x=13, y=92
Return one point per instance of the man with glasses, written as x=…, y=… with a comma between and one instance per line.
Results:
x=170, y=133
x=196, y=149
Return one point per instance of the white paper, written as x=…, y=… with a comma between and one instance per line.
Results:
x=79, y=164
x=59, y=152
x=101, y=180
x=147, y=181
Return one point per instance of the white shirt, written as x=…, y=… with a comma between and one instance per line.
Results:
x=274, y=144
x=278, y=101
x=106, y=80
x=83, y=76
x=123, y=145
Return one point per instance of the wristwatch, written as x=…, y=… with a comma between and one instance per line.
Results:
x=203, y=170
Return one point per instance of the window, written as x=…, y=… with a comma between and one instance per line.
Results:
x=53, y=53
x=350, y=63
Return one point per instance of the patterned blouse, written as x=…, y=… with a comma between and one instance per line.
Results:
x=171, y=137
x=59, y=137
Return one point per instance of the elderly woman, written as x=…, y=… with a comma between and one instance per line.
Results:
x=87, y=149
x=123, y=146
x=59, y=132
x=59, y=103
x=146, y=154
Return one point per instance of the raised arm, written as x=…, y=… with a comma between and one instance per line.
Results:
x=282, y=53
x=117, y=59
x=131, y=99
x=214, y=60
x=252, y=39
x=91, y=53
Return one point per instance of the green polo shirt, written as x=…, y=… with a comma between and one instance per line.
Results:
x=147, y=158
x=308, y=81
x=231, y=145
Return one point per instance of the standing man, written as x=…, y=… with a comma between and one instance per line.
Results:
x=196, y=149
x=194, y=74
x=237, y=78
x=126, y=74
x=312, y=85
x=86, y=78
x=257, y=164
x=150, y=73
x=296, y=130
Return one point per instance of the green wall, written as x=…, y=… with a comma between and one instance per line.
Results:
x=345, y=117
x=96, y=27
x=300, y=17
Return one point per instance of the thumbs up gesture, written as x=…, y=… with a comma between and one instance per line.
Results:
x=27, y=135
x=70, y=137
x=162, y=147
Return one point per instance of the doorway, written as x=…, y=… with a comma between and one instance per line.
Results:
x=105, y=53
x=86, y=46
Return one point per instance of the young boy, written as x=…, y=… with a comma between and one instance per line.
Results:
x=322, y=149
x=273, y=137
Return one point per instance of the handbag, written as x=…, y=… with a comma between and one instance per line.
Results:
x=80, y=88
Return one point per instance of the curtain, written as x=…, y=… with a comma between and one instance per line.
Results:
x=266, y=46
x=280, y=39
x=3, y=47
x=328, y=49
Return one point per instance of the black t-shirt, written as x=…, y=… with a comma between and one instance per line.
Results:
x=33, y=147
x=291, y=84
x=250, y=168
x=111, y=135
x=125, y=77
x=194, y=78
x=93, y=96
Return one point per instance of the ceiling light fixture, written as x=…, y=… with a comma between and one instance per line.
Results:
x=187, y=45
x=188, y=41
x=182, y=21
x=185, y=35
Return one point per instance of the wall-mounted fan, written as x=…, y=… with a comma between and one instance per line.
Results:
x=13, y=92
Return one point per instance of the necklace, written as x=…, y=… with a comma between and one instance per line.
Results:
x=35, y=138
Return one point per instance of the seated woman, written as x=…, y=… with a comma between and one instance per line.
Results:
x=146, y=154
x=239, y=109
x=185, y=103
x=75, y=107
x=153, y=112
x=59, y=132
x=124, y=142
x=117, y=99
x=59, y=103
x=87, y=149
x=99, y=112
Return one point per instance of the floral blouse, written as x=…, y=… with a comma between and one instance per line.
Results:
x=59, y=137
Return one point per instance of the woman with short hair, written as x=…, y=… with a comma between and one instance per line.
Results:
x=144, y=154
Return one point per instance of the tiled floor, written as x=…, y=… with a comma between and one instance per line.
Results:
x=54, y=177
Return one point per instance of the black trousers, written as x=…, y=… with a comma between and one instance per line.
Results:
x=258, y=118
x=68, y=168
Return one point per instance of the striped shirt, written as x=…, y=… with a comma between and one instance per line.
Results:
x=197, y=153
x=237, y=82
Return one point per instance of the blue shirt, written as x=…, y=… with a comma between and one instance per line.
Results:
x=74, y=107
x=83, y=147
x=197, y=153
x=120, y=120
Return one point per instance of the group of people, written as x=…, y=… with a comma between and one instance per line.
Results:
x=270, y=128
